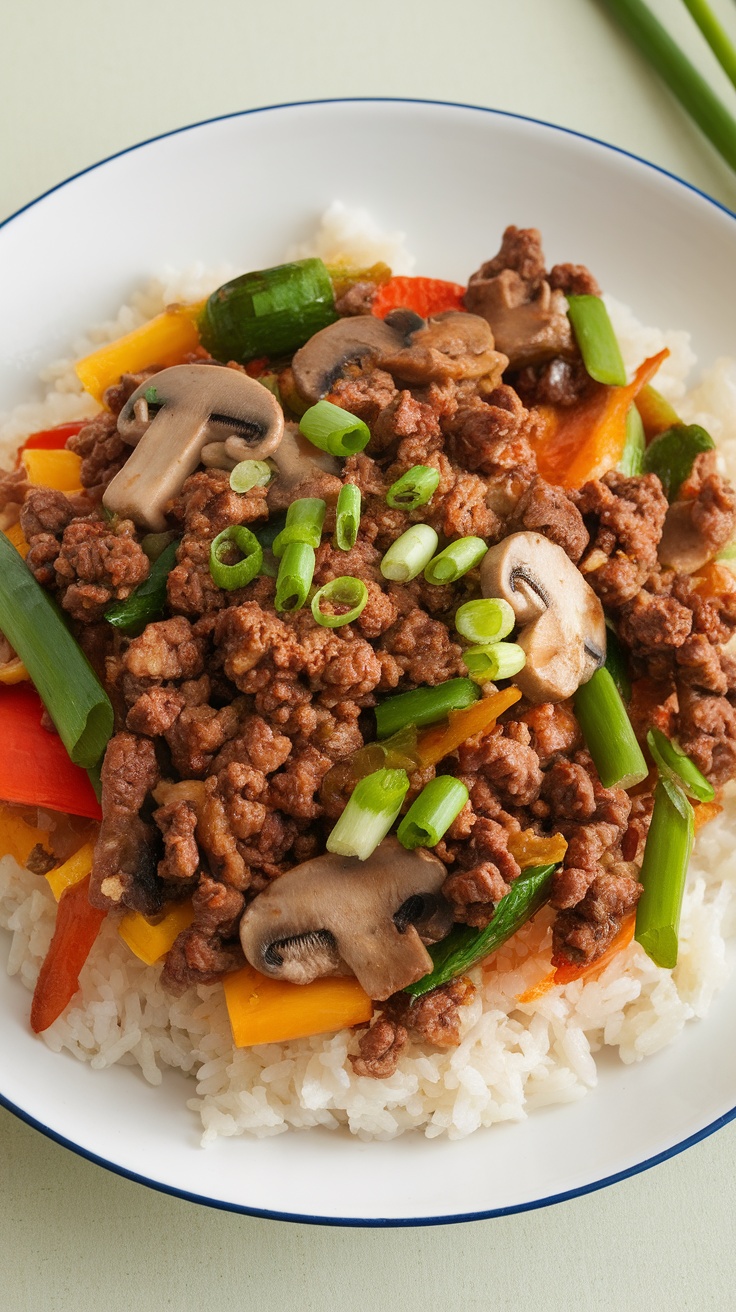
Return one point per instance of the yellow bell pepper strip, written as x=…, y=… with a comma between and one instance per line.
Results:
x=164, y=340
x=17, y=837
x=530, y=849
x=438, y=741
x=16, y=535
x=585, y=441
x=568, y=973
x=60, y=470
x=657, y=415
x=74, y=869
x=264, y=1010
x=150, y=942
x=13, y=671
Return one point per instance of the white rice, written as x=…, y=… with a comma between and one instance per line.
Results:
x=513, y=1058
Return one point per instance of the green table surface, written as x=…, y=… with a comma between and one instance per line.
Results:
x=80, y=80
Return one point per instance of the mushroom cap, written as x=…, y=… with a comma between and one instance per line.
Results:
x=563, y=629
x=529, y=327
x=337, y=915
x=302, y=470
x=196, y=404
x=452, y=344
x=321, y=361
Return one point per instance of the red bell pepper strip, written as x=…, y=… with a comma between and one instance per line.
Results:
x=425, y=296
x=77, y=927
x=35, y=769
x=52, y=439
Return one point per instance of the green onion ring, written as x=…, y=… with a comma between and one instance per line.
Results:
x=245, y=570
x=414, y=488
x=333, y=429
x=344, y=591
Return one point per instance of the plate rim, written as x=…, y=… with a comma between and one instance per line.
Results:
x=371, y=1222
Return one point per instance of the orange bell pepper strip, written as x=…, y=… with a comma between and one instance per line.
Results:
x=35, y=768
x=426, y=296
x=704, y=812
x=52, y=439
x=150, y=942
x=264, y=1010
x=567, y=972
x=164, y=340
x=77, y=927
x=16, y=535
x=657, y=415
x=439, y=740
x=17, y=837
x=586, y=440
x=72, y=871
x=60, y=470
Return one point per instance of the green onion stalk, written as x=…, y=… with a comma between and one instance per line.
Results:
x=433, y=811
x=333, y=429
x=409, y=554
x=423, y=706
x=147, y=601
x=250, y=473
x=663, y=873
x=715, y=35
x=304, y=520
x=414, y=488
x=495, y=660
x=632, y=456
x=608, y=732
x=345, y=591
x=673, y=764
x=450, y=565
x=487, y=620
x=597, y=341
x=294, y=578
x=347, y=517
x=372, y=808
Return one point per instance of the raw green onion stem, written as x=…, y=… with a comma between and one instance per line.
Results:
x=616, y=663
x=487, y=620
x=423, y=705
x=432, y=812
x=663, y=873
x=673, y=764
x=332, y=429
x=294, y=578
x=347, y=517
x=608, y=732
x=66, y=682
x=496, y=660
x=597, y=340
x=671, y=455
x=371, y=810
x=244, y=570
x=345, y=591
x=269, y=312
x=632, y=456
x=415, y=488
x=304, y=520
x=464, y=947
x=250, y=473
x=455, y=560
x=715, y=35
x=147, y=601
x=409, y=554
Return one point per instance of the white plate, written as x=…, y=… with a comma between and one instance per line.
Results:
x=241, y=189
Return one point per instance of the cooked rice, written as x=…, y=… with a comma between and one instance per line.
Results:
x=512, y=1059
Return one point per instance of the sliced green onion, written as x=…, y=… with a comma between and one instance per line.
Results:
x=496, y=660
x=147, y=601
x=269, y=312
x=597, y=341
x=424, y=706
x=332, y=429
x=245, y=569
x=632, y=456
x=455, y=560
x=66, y=682
x=268, y=532
x=304, y=520
x=408, y=555
x=432, y=812
x=673, y=764
x=663, y=874
x=250, y=473
x=347, y=517
x=488, y=620
x=464, y=946
x=616, y=662
x=671, y=455
x=608, y=732
x=295, y=575
x=415, y=488
x=345, y=591
x=371, y=810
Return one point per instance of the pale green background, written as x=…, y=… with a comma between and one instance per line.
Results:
x=81, y=79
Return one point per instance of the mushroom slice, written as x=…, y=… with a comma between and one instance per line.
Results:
x=356, y=340
x=563, y=630
x=337, y=915
x=529, y=327
x=195, y=405
x=452, y=344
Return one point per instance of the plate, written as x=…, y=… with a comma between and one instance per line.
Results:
x=242, y=189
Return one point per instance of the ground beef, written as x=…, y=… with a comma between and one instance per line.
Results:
x=379, y=1049
x=706, y=731
x=582, y=933
x=464, y=511
x=293, y=790
x=486, y=870
x=521, y=250
x=196, y=737
x=510, y=766
x=153, y=712
x=207, y=504
x=124, y=867
x=624, y=517
x=116, y=396
x=199, y=957
x=177, y=822
x=422, y=649
x=554, y=730
x=14, y=486
x=48, y=511
x=548, y=510
x=492, y=437
x=568, y=789
x=365, y=396
x=102, y=449
x=434, y=1017
x=573, y=280
x=558, y=382
x=166, y=650
x=98, y=563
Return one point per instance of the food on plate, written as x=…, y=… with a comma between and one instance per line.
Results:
x=365, y=679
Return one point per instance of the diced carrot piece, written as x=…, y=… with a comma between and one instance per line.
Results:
x=425, y=296
x=164, y=340
x=77, y=927
x=440, y=739
x=57, y=469
x=72, y=870
x=151, y=941
x=264, y=1010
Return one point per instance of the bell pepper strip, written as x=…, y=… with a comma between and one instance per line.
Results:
x=52, y=439
x=585, y=441
x=35, y=768
x=74, y=869
x=164, y=340
x=425, y=296
x=568, y=973
x=16, y=535
x=264, y=1010
x=77, y=927
x=530, y=849
x=60, y=470
x=657, y=415
x=151, y=941
x=714, y=582
x=17, y=837
x=704, y=812
x=13, y=671
x=438, y=741
x=344, y=276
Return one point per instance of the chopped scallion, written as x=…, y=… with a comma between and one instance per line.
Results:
x=487, y=620
x=414, y=488
x=371, y=810
x=423, y=706
x=332, y=429
x=250, y=473
x=597, y=341
x=608, y=732
x=409, y=554
x=673, y=764
x=432, y=812
x=663, y=872
x=455, y=560
x=304, y=520
x=345, y=591
x=496, y=660
x=294, y=578
x=243, y=571
x=632, y=456
x=147, y=601
x=347, y=517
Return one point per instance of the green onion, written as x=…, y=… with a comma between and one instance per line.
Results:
x=415, y=488
x=270, y=312
x=152, y=397
x=345, y=591
x=347, y=517
x=464, y=947
x=597, y=341
x=487, y=620
x=295, y=575
x=268, y=532
x=66, y=682
x=455, y=560
x=715, y=35
x=683, y=79
x=496, y=660
x=250, y=473
x=408, y=555
x=432, y=812
x=673, y=764
x=671, y=455
x=147, y=601
x=244, y=570
x=608, y=733
x=371, y=810
x=304, y=520
x=663, y=874
x=632, y=456
x=616, y=662
x=332, y=429
x=424, y=706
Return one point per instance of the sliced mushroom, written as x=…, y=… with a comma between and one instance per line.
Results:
x=529, y=326
x=302, y=470
x=194, y=405
x=337, y=915
x=563, y=630
x=322, y=360
x=453, y=344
